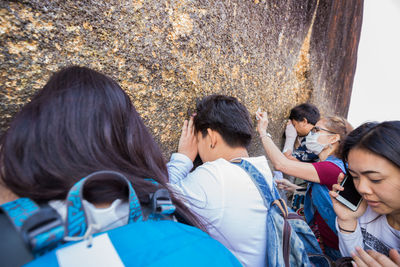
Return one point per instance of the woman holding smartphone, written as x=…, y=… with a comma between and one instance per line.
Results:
x=372, y=152
x=324, y=141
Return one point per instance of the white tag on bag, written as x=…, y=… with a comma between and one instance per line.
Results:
x=100, y=253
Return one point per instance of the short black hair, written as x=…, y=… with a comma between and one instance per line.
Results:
x=227, y=116
x=305, y=111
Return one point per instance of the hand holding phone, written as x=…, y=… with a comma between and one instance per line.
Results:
x=349, y=196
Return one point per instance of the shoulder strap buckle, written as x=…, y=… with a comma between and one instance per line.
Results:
x=43, y=230
x=161, y=202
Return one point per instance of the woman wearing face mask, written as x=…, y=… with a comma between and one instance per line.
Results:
x=372, y=152
x=324, y=141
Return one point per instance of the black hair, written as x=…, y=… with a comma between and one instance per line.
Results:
x=305, y=111
x=382, y=139
x=227, y=116
x=81, y=122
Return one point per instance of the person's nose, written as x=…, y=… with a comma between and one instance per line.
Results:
x=364, y=186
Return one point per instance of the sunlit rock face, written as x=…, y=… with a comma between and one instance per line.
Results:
x=167, y=53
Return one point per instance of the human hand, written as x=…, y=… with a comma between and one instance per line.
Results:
x=262, y=121
x=188, y=142
x=290, y=131
x=347, y=219
x=373, y=258
x=291, y=134
x=290, y=156
x=288, y=153
x=285, y=184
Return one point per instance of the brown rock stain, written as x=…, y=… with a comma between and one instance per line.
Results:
x=165, y=54
x=235, y=72
x=22, y=47
x=182, y=25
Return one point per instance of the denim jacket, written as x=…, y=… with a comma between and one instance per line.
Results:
x=319, y=199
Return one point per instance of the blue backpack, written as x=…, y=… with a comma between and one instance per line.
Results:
x=290, y=241
x=152, y=240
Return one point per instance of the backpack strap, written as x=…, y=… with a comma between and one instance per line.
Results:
x=76, y=223
x=282, y=207
x=41, y=228
x=12, y=244
x=29, y=230
x=161, y=206
x=272, y=200
x=269, y=196
x=160, y=201
x=320, y=200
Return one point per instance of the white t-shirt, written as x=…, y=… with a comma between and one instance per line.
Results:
x=373, y=232
x=224, y=195
x=114, y=216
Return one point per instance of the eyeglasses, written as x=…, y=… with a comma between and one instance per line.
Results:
x=316, y=129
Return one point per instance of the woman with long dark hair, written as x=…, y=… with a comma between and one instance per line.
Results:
x=79, y=123
x=372, y=152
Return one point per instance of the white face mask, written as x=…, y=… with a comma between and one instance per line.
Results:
x=312, y=143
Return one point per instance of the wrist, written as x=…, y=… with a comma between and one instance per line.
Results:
x=347, y=226
x=189, y=154
x=265, y=134
x=345, y=230
x=291, y=138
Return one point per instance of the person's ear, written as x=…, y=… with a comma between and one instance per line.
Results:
x=213, y=137
x=335, y=138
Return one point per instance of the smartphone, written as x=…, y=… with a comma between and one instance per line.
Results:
x=349, y=196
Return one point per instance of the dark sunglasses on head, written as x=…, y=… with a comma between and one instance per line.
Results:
x=316, y=129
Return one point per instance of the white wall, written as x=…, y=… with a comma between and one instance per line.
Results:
x=376, y=88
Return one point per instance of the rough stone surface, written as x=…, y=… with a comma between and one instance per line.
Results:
x=166, y=53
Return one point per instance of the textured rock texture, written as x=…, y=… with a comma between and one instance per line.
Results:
x=166, y=53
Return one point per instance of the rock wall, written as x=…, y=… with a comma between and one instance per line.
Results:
x=166, y=53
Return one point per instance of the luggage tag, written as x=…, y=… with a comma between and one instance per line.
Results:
x=101, y=253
